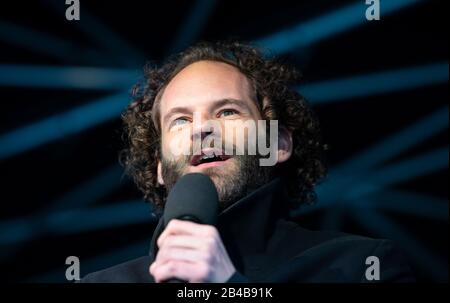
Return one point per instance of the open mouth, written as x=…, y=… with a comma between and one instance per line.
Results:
x=213, y=158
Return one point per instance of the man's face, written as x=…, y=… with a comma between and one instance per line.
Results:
x=217, y=92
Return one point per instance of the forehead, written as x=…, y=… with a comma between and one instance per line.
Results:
x=201, y=83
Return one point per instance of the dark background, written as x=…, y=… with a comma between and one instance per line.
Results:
x=379, y=89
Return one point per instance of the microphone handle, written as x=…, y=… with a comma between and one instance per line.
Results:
x=175, y=280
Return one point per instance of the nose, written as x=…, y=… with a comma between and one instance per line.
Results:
x=203, y=126
x=200, y=134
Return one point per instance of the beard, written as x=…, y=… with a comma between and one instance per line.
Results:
x=233, y=180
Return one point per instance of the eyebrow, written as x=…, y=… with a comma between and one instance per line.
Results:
x=217, y=104
x=229, y=101
x=176, y=110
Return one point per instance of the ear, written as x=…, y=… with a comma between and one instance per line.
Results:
x=284, y=144
x=159, y=173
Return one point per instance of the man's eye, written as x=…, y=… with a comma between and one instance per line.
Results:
x=227, y=112
x=179, y=121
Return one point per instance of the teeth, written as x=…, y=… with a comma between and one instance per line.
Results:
x=207, y=157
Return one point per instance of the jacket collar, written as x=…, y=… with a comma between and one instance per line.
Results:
x=246, y=226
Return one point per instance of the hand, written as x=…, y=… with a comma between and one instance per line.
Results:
x=191, y=252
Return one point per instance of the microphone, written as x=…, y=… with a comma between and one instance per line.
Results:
x=193, y=198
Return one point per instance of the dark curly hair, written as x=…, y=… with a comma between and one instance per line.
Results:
x=271, y=80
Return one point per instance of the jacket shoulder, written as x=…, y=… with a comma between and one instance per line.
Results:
x=133, y=271
x=341, y=257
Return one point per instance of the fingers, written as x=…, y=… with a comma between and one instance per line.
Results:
x=190, y=272
x=183, y=241
x=185, y=249
x=181, y=227
x=181, y=254
x=191, y=252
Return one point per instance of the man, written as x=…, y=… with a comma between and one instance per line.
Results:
x=231, y=84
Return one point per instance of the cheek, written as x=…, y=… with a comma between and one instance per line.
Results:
x=176, y=143
x=241, y=133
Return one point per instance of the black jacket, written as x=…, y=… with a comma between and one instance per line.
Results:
x=265, y=246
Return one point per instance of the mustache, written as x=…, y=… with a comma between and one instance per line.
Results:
x=225, y=148
x=233, y=183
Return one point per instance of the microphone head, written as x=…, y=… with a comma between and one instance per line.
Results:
x=193, y=197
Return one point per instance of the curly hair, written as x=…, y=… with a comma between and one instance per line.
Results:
x=271, y=81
